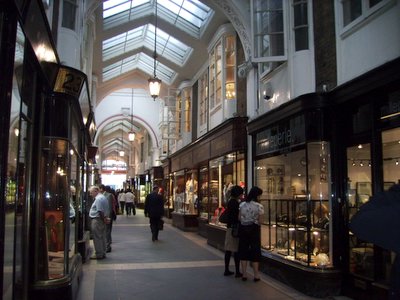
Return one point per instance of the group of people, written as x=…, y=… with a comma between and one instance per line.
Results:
x=102, y=214
x=246, y=246
x=126, y=200
x=104, y=211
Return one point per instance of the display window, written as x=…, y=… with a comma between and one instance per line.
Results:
x=361, y=253
x=224, y=172
x=57, y=234
x=179, y=192
x=191, y=192
x=18, y=168
x=391, y=175
x=296, y=193
x=202, y=200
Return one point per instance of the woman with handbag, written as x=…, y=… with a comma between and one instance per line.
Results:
x=250, y=214
x=231, y=241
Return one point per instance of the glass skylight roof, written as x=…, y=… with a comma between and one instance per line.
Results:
x=139, y=61
x=167, y=46
x=190, y=16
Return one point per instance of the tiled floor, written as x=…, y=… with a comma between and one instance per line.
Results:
x=179, y=266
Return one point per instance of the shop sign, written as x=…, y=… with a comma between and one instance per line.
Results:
x=69, y=81
x=281, y=137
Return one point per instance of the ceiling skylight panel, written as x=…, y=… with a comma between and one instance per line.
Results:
x=139, y=61
x=167, y=46
x=170, y=5
x=189, y=15
x=112, y=7
x=118, y=12
x=121, y=43
x=114, y=46
x=191, y=18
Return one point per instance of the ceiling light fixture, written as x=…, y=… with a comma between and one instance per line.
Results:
x=122, y=152
x=155, y=83
x=131, y=134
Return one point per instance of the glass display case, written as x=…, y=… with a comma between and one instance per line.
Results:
x=179, y=192
x=224, y=172
x=295, y=197
x=202, y=199
x=56, y=193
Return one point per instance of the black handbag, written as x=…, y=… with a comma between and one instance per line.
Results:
x=224, y=218
x=235, y=229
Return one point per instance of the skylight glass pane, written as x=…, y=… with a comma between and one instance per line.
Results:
x=191, y=11
x=113, y=7
x=190, y=18
x=140, y=61
x=167, y=46
x=116, y=9
x=170, y=6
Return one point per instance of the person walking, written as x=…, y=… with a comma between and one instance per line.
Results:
x=98, y=213
x=154, y=209
x=121, y=200
x=250, y=214
x=130, y=202
x=231, y=242
x=107, y=192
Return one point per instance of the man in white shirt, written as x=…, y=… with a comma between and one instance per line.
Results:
x=98, y=214
x=130, y=202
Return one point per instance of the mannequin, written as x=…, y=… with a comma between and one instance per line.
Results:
x=191, y=193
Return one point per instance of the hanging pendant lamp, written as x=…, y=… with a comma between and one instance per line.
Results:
x=154, y=82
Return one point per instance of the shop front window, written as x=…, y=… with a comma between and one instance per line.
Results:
x=55, y=193
x=224, y=172
x=359, y=189
x=391, y=176
x=295, y=197
x=202, y=200
x=179, y=192
x=18, y=169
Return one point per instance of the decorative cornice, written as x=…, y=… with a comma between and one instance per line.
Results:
x=241, y=27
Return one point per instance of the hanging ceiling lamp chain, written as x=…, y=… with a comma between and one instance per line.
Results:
x=155, y=41
x=131, y=135
x=155, y=83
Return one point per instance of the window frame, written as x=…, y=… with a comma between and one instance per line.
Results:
x=275, y=58
x=73, y=5
x=367, y=13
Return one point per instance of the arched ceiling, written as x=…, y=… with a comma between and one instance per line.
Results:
x=124, y=47
x=124, y=44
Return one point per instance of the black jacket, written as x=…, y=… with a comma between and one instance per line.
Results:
x=154, y=205
x=233, y=212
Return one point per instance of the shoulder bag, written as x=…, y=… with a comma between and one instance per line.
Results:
x=223, y=218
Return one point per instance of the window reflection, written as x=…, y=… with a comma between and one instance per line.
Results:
x=295, y=197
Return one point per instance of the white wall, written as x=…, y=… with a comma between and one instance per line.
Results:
x=368, y=42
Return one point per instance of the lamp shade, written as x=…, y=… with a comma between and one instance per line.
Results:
x=131, y=136
x=154, y=87
x=121, y=153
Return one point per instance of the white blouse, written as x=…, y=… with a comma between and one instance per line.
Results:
x=249, y=212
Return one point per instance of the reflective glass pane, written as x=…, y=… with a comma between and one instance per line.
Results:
x=391, y=175
x=359, y=190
